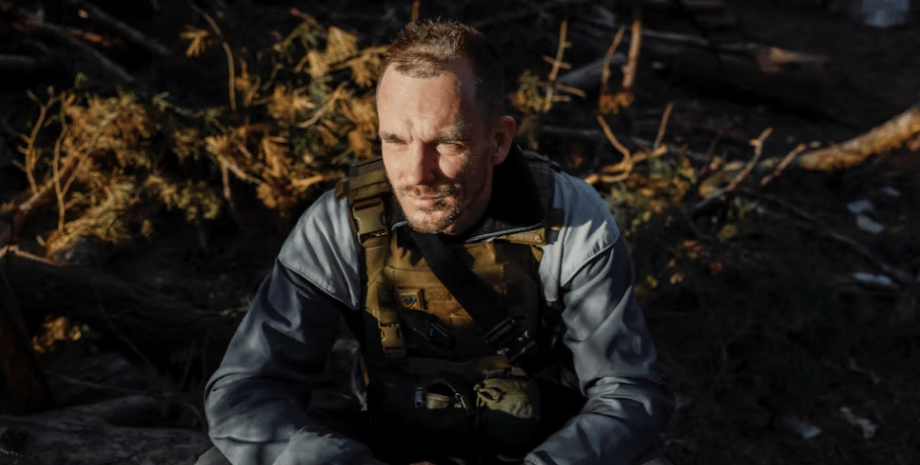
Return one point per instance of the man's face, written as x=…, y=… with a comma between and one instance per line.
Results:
x=437, y=150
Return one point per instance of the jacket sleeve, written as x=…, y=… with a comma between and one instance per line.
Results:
x=613, y=354
x=256, y=402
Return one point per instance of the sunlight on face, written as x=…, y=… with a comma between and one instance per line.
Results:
x=436, y=154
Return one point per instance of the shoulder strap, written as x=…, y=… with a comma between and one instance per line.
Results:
x=368, y=193
x=506, y=336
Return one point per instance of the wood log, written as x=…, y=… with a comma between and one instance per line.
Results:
x=791, y=79
x=119, y=431
x=589, y=76
x=21, y=379
x=63, y=34
x=21, y=64
x=127, y=32
x=139, y=316
x=890, y=135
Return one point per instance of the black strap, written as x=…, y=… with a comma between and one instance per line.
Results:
x=479, y=300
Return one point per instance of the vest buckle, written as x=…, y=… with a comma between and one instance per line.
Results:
x=509, y=340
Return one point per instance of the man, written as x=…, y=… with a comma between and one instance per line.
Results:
x=454, y=263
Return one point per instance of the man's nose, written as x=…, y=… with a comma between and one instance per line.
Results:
x=421, y=165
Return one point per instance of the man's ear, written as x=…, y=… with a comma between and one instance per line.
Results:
x=502, y=138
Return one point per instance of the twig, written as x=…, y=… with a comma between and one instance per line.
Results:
x=167, y=396
x=30, y=156
x=589, y=75
x=525, y=12
x=323, y=109
x=758, y=150
x=571, y=90
x=228, y=194
x=132, y=35
x=818, y=226
x=605, y=71
x=119, y=334
x=90, y=384
x=236, y=170
x=415, y=6
x=57, y=180
x=557, y=64
x=92, y=143
x=21, y=63
x=230, y=71
x=635, y=43
x=14, y=311
x=87, y=50
x=783, y=164
x=613, y=140
x=664, y=124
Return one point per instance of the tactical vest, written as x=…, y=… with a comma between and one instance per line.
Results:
x=423, y=350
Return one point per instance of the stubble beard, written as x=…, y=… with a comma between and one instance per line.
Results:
x=424, y=220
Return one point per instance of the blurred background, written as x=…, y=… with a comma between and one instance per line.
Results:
x=761, y=158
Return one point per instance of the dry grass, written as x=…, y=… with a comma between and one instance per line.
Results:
x=106, y=163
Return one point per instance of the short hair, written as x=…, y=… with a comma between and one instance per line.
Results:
x=427, y=49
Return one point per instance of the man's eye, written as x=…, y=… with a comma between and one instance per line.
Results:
x=452, y=145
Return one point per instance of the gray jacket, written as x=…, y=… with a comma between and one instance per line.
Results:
x=256, y=401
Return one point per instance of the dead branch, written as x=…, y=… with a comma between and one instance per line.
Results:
x=613, y=140
x=21, y=63
x=591, y=74
x=415, y=6
x=63, y=34
x=890, y=135
x=783, y=164
x=71, y=166
x=664, y=124
x=608, y=57
x=696, y=6
x=231, y=74
x=23, y=377
x=525, y=12
x=815, y=225
x=557, y=64
x=59, y=193
x=31, y=155
x=758, y=150
x=635, y=45
x=742, y=68
x=154, y=322
x=129, y=33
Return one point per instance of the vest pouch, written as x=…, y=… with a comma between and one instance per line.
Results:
x=436, y=408
x=508, y=412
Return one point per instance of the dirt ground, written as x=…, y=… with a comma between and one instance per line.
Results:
x=765, y=333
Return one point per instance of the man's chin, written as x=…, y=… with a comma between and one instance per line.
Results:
x=429, y=224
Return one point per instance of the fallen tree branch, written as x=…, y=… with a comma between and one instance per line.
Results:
x=525, y=12
x=22, y=63
x=905, y=278
x=63, y=34
x=129, y=33
x=557, y=64
x=890, y=135
x=758, y=150
x=635, y=45
x=22, y=378
x=591, y=74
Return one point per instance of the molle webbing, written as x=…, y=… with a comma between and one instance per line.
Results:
x=399, y=281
